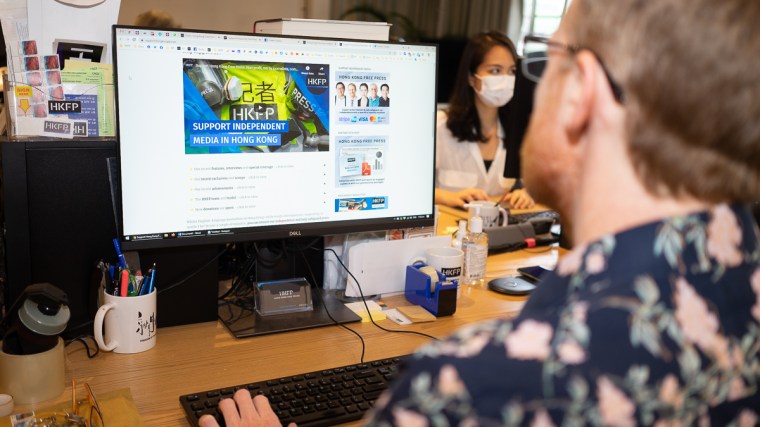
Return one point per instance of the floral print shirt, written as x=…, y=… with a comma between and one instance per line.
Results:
x=657, y=325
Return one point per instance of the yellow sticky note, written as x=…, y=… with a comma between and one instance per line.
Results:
x=361, y=310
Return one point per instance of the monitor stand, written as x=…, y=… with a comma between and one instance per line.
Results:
x=243, y=322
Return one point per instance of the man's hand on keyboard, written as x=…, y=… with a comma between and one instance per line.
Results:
x=244, y=412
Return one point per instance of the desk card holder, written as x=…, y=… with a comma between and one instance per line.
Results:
x=243, y=321
x=283, y=296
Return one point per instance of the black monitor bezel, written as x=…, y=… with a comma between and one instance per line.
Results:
x=267, y=232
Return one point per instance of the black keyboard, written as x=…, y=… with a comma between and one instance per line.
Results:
x=321, y=398
x=520, y=218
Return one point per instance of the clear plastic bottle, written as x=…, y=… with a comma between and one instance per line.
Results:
x=459, y=236
x=475, y=247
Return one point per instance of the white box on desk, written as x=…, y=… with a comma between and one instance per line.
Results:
x=380, y=267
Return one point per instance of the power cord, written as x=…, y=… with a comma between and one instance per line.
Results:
x=361, y=339
x=240, y=277
x=83, y=340
x=314, y=280
x=364, y=300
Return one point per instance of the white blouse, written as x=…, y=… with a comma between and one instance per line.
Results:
x=459, y=165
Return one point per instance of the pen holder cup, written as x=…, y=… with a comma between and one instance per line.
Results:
x=129, y=323
x=33, y=378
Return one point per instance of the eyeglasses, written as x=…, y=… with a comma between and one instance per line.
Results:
x=56, y=419
x=536, y=55
x=85, y=412
x=90, y=405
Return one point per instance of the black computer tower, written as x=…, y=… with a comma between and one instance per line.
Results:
x=59, y=221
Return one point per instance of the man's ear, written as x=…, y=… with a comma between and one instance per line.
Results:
x=584, y=78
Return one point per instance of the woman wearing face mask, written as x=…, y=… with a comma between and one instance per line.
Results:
x=470, y=149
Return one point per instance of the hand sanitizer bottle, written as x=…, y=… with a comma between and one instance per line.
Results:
x=459, y=236
x=475, y=247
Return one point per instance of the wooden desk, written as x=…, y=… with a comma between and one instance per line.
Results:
x=203, y=356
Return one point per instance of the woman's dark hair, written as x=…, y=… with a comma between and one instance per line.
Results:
x=156, y=18
x=463, y=119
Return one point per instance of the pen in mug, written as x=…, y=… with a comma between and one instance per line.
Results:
x=117, y=247
x=149, y=282
x=109, y=286
x=116, y=283
x=124, y=285
x=152, y=278
x=132, y=286
x=139, y=282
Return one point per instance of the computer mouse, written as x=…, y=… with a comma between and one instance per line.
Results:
x=511, y=286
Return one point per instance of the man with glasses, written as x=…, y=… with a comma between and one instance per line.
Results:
x=645, y=138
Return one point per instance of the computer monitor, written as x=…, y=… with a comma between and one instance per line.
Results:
x=233, y=137
x=229, y=137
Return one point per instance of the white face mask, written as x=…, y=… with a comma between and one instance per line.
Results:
x=233, y=89
x=496, y=91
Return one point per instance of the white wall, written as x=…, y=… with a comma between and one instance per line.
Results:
x=225, y=15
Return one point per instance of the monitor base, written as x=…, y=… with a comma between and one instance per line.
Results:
x=244, y=322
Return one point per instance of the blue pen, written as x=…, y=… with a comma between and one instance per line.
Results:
x=145, y=284
x=110, y=283
x=117, y=284
x=152, y=278
x=117, y=246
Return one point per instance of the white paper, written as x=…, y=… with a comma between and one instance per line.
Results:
x=397, y=317
x=56, y=127
x=13, y=16
x=51, y=20
x=374, y=309
x=13, y=21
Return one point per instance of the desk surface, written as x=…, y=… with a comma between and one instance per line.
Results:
x=203, y=356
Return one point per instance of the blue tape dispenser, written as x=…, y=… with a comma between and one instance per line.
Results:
x=430, y=289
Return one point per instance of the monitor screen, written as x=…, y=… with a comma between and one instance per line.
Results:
x=228, y=137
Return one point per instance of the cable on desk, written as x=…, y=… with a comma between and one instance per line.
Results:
x=313, y=280
x=247, y=309
x=364, y=300
x=240, y=276
x=266, y=255
x=543, y=249
x=240, y=292
x=83, y=340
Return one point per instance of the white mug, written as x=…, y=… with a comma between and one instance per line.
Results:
x=446, y=260
x=130, y=323
x=493, y=215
